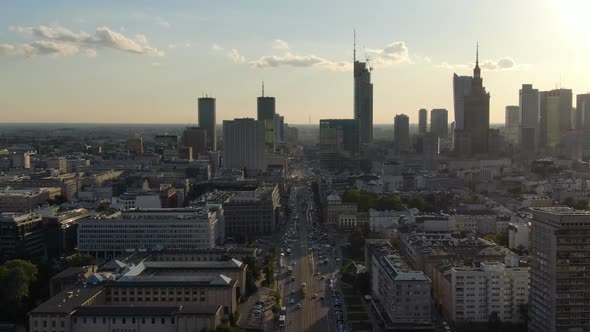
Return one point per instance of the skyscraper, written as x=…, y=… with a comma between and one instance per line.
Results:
x=196, y=138
x=339, y=144
x=207, y=121
x=244, y=145
x=511, y=124
x=559, y=270
x=422, y=120
x=266, y=114
x=401, y=133
x=583, y=121
x=555, y=116
x=363, y=98
x=439, y=122
x=474, y=135
x=461, y=87
x=279, y=128
x=529, y=112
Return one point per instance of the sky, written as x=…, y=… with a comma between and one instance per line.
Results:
x=148, y=61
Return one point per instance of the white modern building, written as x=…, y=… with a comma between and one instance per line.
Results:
x=144, y=200
x=143, y=230
x=244, y=144
x=382, y=220
x=518, y=235
x=468, y=293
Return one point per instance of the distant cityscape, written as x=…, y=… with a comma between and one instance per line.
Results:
x=257, y=224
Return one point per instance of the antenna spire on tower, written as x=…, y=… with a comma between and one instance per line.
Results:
x=476, y=53
x=262, y=88
x=354, y=45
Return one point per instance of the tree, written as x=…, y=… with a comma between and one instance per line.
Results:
x=80, y=260
x=16, y=277
x=357, y=243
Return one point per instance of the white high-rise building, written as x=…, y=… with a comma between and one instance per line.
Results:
x=244, y=144
x=529, y=106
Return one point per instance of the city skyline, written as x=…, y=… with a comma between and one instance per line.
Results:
x=127, y=65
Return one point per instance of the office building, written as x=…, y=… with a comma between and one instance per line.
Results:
x=511, y=117
x=583, y=121
x=266, y=111
x=60, y=164
x=22, y=236
x=21, y=159
x=555, y=116
x=339, y=144
x=439, y=122
x=165, y=143
x=363, y=98
x=401, y=133
x=244, y=144
x=403, y=294
x=529, y=117
x=468, y=293
x=143, y=230
x=279, y=129
x=195, y=138
x=473, y=137
x=25, y=199
x=207, y=121
x=461, y=88
x=135, y=145
x=559, y=281
x=422, y=120
x=430, y=150
x=248, y=214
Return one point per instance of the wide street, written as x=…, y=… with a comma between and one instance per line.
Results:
x=314, y=314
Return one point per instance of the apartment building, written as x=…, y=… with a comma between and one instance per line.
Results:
x=473, y=293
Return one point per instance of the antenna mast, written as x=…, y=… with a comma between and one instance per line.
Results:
x=354, y=45
x=262, y=88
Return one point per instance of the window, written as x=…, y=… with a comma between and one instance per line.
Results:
x=153, y=320
x=163, y=320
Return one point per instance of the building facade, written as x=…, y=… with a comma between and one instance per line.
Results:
x=422, y=121
x=461, y=88
x=439, y=122
x=401, y=133
x=363, y=100
x=244, y=144
x=207, y=120
x=529, y=117
x=339, y=144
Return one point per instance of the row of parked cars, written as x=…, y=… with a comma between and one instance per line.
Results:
x=337, y=306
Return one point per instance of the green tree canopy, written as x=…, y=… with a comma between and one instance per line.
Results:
x=16, y=277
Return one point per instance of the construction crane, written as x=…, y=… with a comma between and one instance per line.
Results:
x=367, y=59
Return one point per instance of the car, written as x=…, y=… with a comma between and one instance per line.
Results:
x=314, y=295
x=322, y=277
x=292, y=291
x=291, y=301
x=293, y=264
x=298, y=305
x=322, y=297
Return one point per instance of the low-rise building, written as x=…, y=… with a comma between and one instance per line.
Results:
x=336, y=207
x=144, y=230
x=518, y=235
x=25, y=199
x=474, y=293
x=382, y=220
x=252, y=213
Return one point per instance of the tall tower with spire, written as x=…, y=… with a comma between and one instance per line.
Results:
x=476, y=106
x=266, y=109
x=363, y=97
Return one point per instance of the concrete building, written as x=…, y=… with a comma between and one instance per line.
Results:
x=430, y=150
x=135, y=145
x=422, y=121
x=518, y=235
x=25, y=199
x=467, y=293
x=583, y=121
x=529, y=117
x=60, y=164
x=252, y=213
x=335, y=207
x=339, y=144
x=363, y=99
x=401, y=293
x=140, y=200
x=144, y=230
x=279, y=129
x=244, y=144
x=380, y=221
x=439, y=122
x=22, y=236
x=559, y=282
x=352, y=222
x=207, y=120
x=401, y=133
x=195, y=138
x=555, y=116
x=21, y=159
x=511, y=123
x=424, y=251
x=266, y=111
x=461, y=88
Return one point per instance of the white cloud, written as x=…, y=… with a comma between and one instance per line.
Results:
x=162, y=22
x=216, y=47
x=62, y=41
x=394, y=53
x=41, y=47
x=504, y=63
x=280, y=44
x=236, y=57
x=293, y=60
x=90, y=53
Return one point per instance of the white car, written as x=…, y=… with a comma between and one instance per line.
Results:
x=291, y=301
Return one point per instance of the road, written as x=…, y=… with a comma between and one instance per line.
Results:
x=314, y=314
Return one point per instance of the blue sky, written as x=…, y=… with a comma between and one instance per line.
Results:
x=148, y=61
